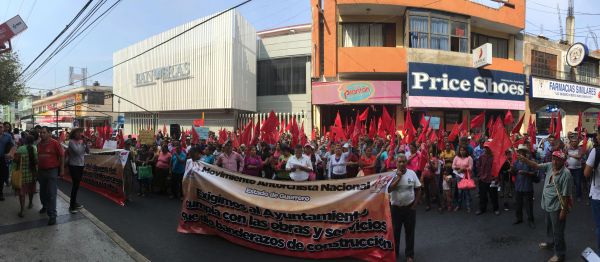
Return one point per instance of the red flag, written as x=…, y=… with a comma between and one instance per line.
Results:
x=423, y=122
x=551, y=129
x=433, y=137
x=372, y=129
x=410, y=128
x=246, y=138
x=356, y=131
x=183, y=138
x=303, y=138
x=478, y=120
x=386, y=118
x=222, y=136
x=500, y=143
x=294, y=131
x=256, y=133
x=380, y=128
x=558, y=126
x=364, y=115
x=579, y=126
x=517, y=128
x=462, y=129
x=313, y=134
x=269, y=127
x=454, y=133
x=532, y=133
x=508, y=118
x=392, y=127
x=195, y=136
x=338, y=130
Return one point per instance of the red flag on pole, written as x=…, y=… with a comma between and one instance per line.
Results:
x=246, y=137
x=303, y=138
x=372, y=129
x=500, y=143
x=558, y=126
x=313, y=134
x=386, y=118
x=364, y=115
x=454, y=133
x=532, y=133
x=478, y=120
x=517, y=128
x=423, y=122
x=356, y=131
x=508, y=118
x=410, y=128
x=551, y=129
x=380, y=128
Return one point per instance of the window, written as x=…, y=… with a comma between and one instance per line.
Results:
x=588, y=72
x=368, y=34
x=543, y=64
x=438, y=33
x=499, y=45
x=452, y=117
x=281, y=76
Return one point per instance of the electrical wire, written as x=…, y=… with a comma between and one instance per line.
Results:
x=158, y=45
x=58, y=36
x=73, y=35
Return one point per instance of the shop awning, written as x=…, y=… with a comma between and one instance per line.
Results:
x=357, y=92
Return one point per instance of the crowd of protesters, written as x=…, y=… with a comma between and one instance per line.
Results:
x=430, y=170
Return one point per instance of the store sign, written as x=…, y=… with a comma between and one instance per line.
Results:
x=482, y=55
x=446, y=86
x=566, y=91
x=576, y=54
x=166, y=74
x=11, y=28
x=357, y=92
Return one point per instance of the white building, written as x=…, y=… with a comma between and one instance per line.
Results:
x=210, y=69
x=283, y=73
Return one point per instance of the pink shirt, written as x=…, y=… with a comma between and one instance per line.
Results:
x=463, y=163
x=232, y=162
x=163, y=160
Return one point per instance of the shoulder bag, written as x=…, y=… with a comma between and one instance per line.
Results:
x=466, y=183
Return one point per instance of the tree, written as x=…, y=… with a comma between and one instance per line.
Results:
x=12, y=87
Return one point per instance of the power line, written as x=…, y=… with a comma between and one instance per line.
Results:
x=58, y=36
x=71, y=37
x=160, y=44
x=30, y=11
x=101, y=18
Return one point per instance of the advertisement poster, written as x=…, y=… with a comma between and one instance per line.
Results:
x=316, y=219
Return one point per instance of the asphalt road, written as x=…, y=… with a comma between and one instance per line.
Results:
x=149, y=225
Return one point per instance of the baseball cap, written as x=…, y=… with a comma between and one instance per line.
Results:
x=559, y=154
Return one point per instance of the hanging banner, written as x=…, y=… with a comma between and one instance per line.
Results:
x=562, y=90
x=357, y=92
x=103, y=174
x=316, y=219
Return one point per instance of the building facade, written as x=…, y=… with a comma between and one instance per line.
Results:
x=211, y=69
x=78, y=107
x=283, y=81
x=555, y=86
x=404, y=54
x=25, y=112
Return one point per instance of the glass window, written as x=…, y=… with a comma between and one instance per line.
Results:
x=499, y=45
x=438, y=33
x=543, y=64
x=368, y=34
x=419, y=31
x=281, y=76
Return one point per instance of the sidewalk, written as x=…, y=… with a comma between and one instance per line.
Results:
x=80, y=236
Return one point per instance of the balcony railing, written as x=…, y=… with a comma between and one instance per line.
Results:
x=566, y=76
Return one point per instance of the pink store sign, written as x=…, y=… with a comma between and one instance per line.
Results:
x=357, y=92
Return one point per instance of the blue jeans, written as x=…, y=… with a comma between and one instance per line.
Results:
x=48, y=179
x=577, y=177
x=596, y=214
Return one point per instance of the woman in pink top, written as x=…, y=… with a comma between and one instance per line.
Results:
x=414, y=159
x=252, y=163
x=462, y=165
x=163, y=165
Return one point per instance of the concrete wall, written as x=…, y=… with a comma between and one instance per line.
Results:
x=285, y=45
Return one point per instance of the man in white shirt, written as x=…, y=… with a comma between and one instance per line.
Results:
x=299, y=165
x=592, y=169
x=405, y=192
x=337, y=163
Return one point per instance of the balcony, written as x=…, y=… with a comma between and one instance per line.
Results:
x=566, y=76
x=372, y=60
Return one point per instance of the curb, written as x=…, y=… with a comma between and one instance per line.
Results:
x=134, y=254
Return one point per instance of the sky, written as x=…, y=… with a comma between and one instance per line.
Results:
x=135, y=20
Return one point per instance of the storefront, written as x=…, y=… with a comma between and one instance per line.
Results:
x=548, y=96
x=456, y=94
x=350, y=97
